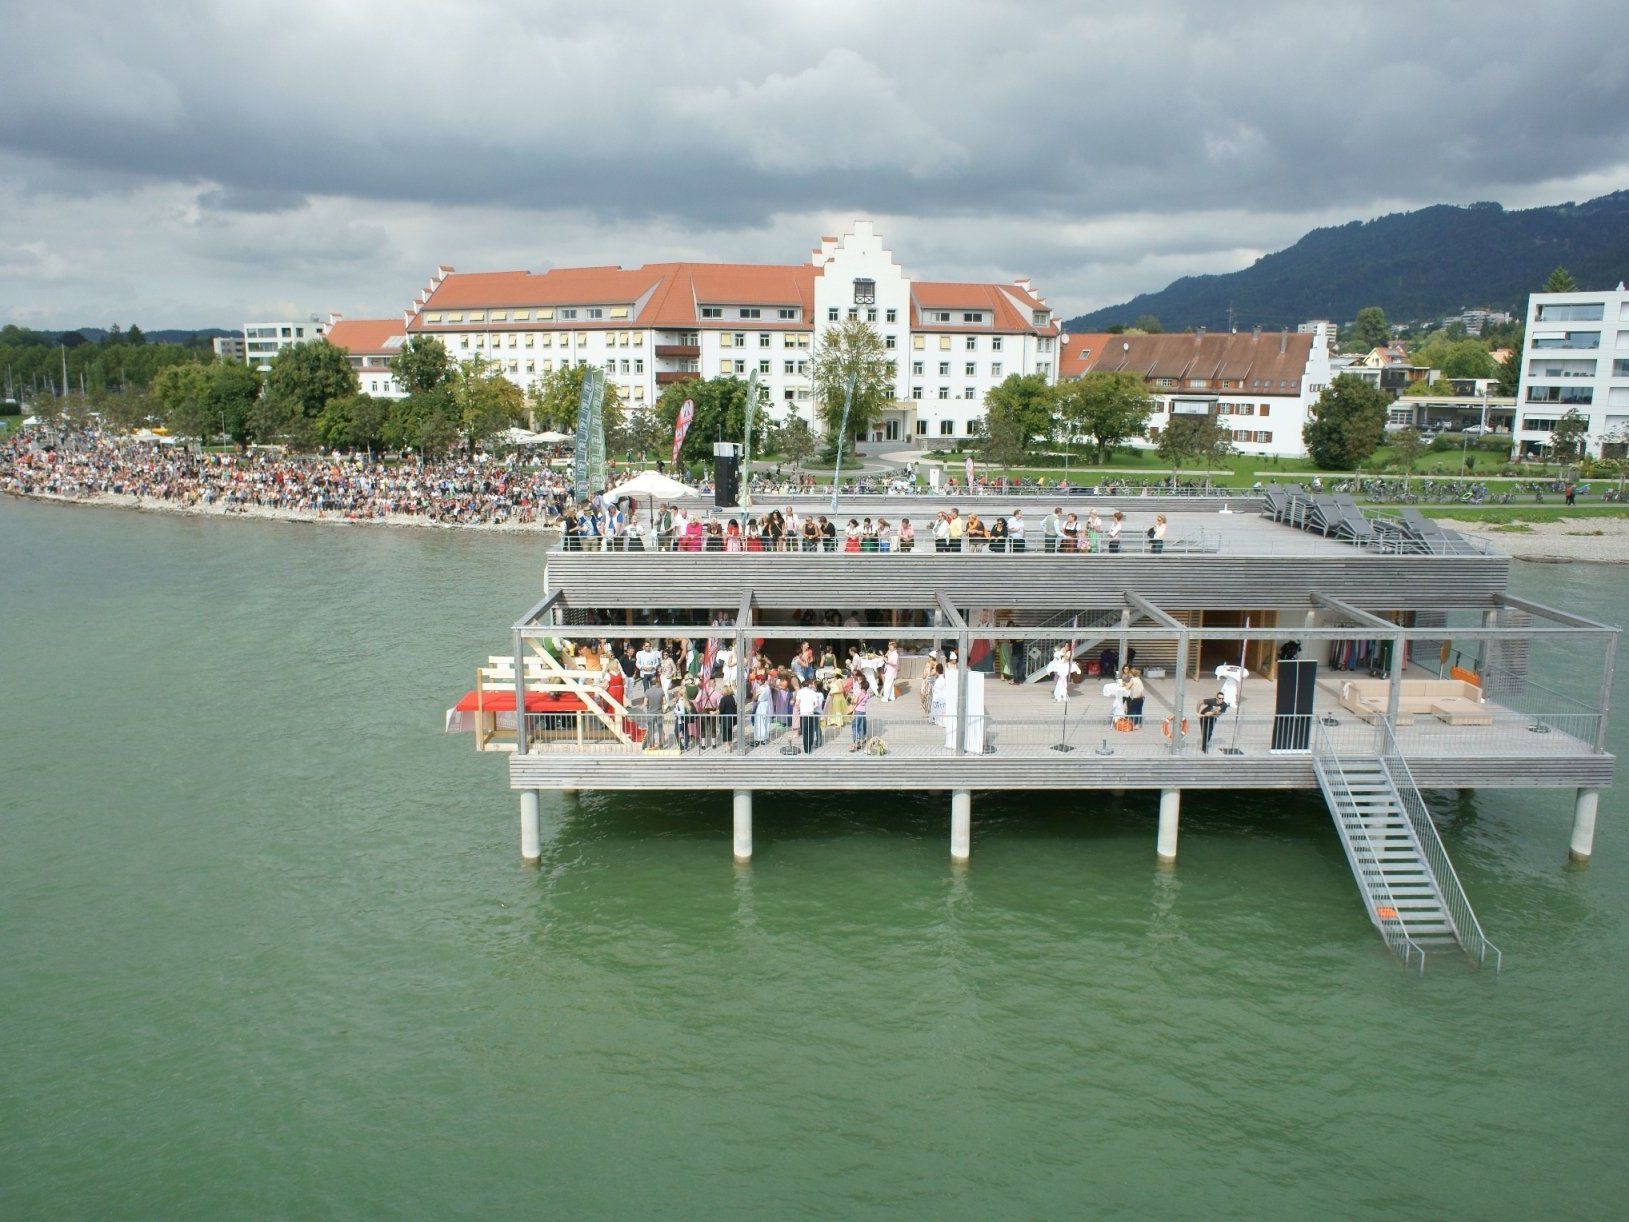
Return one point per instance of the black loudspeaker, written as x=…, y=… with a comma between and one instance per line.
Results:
x=726, y=474
x=1292, y=720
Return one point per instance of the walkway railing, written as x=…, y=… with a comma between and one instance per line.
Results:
x=1469, y=929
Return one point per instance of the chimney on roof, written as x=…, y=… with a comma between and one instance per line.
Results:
x=1023, y=282
x=333, y=318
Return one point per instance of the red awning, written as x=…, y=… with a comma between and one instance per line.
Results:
x=502, y=700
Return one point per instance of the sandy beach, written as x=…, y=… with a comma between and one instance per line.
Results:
x=1593, y=540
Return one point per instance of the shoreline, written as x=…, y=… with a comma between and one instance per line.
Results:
x=1603, y=540
x=132, y=503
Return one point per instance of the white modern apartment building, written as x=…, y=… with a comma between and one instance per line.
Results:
x=1261, y=385
x=264, y=340
x=228, y=347
x=1321, y=326
x=652, y=326
x=1575, y=357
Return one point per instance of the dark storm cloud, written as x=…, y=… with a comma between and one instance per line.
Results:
x=724, y=118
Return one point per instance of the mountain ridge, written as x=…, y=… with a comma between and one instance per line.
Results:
x=1415, y=265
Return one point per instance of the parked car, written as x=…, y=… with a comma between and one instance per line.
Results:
x=1476, y=430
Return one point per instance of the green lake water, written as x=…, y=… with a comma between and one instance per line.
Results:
x=267, y=948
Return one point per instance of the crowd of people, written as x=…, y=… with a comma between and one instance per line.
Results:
x=607, y=525
x=477, y=490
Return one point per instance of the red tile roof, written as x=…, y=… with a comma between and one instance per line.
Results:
x=367, y=336
x=1271, y=357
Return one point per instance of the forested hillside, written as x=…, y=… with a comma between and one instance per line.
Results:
x=1415, y=265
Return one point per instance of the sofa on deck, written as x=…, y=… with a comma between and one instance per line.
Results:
x=1451, y=700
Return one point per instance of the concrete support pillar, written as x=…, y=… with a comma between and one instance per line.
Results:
x=743, y=825
x=531, y=842
x=1170, y=808
x=961, y=824
x=1583, y=823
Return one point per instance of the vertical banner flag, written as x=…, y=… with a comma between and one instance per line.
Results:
x=681, y=426
x=589, y=453
x=752, y=416
x=969, y=472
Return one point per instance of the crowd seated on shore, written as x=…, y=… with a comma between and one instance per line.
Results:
x=475, y=490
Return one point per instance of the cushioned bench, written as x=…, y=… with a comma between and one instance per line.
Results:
x=1451, y=700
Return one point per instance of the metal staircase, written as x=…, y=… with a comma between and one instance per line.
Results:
x=1402, y=870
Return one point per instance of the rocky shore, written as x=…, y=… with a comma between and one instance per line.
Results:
x=1602, y=540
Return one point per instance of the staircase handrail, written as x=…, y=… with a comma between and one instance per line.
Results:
x=1454, y=899
x=1364, y=863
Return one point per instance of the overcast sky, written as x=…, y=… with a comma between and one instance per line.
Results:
x=200, y=164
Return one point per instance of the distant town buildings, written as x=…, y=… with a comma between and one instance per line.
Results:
x=1575, y=358
x=371, y=344
x=228, y=347
x=1259, y=384
x=264, y=340
x=1321, y=326
x=1477, y=320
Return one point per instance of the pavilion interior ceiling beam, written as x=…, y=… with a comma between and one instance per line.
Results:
x=1357, y=615
x=743, y=614
x=953, y=617
x=1153, y=612
x=1551, y=613
x=539, y=609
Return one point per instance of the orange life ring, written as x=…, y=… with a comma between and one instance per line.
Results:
x=1166, y=727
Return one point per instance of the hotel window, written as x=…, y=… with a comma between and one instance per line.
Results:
x=712, y=311
x=1264, y=438
x=639, y=338
x=1039, y=316
x=763, y=339
x=971, y=369
x=947, y=428
x=522, y=315
x=568, y=314
x=432, y=318
x=639, y=364
x=619, y=311
x=853, y=313
x=547, y=340
x=477, y=315
x=893, y=370
x=969, y=393
x=513, y=340
x=545, y=315
x=919, y=342
x=788, y=394
x=639, y=392
x=891, y=316
x=726, y=367
x=764, y=366
x=463, y=342
x=548, y=366
x=972, y=344
x=916, y=368
x=624, y=363
x=972, y=318
x=995, y=370
x=995, y=343
x=531, y=366
x=455, y=318
x=916, y=392
x=941, y=316
x=871, y=314
x=788, y=315
x=582, y=339
x=531, y=341
x=944, y=343
x=740, y=338
x=622, y=339
x=595, y=312
x=1044, y=368
x=499, y=315
x=944, y=392
x=888, y=341
x=921, y=427
x=726, y=340
x=611, y=365
x=750, y=312
x=831, y=314
x=789, y=367
x=514, y=366
x=944, y=369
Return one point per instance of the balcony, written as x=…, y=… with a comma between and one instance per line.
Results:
x=678, y=352
x=668, y=377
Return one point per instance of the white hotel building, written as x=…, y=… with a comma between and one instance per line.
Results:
x=662, y=323
x=1575, y=358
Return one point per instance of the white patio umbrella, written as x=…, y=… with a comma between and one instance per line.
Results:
x=521, y=437
x=650, y=485
x=550, y=437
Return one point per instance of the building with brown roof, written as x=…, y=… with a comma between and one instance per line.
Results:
x=1261, y=384
x=371, y=344
x=662, y=323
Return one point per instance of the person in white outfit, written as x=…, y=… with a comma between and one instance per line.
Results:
x=1232, y=678
x=1060, y=668
x=890, y=671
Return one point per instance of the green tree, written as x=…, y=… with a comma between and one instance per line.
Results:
x=485, y=402
x=305, y=376
x=641, y=433
x=1510, y=371
x=422, y=364
x=1108, y=407
x=233, y=387
x=850, y=353
x=1194, y=440
x=181, y=397
x=1028, y=403
x=1406, y=447
x=134, y=337
x=555, y=397
x=1569, y=436
x=355, y=422
x=1002, y=436
x=1148, y=324
x=1349, y=422
x=1371, y=330
x=1560, y=281
x=1464, y=358
x=795, y=440
x=720, y=414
